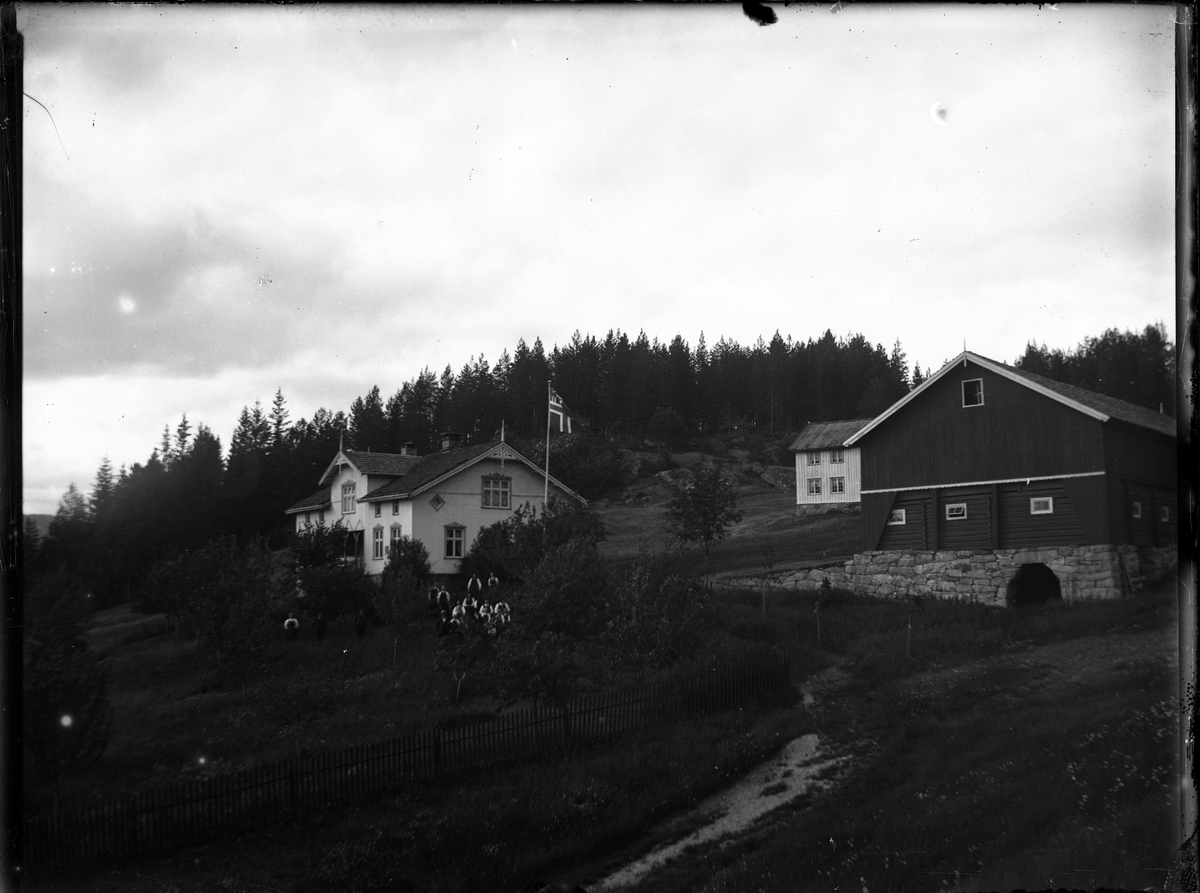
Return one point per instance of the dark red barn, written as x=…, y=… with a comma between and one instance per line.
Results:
x=994, y=469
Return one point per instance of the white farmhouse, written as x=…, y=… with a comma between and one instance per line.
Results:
x=442, y=499
x=827, y=471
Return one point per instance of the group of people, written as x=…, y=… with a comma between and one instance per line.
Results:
x=291, y=626
x=479, y=606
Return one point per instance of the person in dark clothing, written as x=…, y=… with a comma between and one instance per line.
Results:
x=360, y=624
x=320, y=624
x=443, y=603
x=474, y=587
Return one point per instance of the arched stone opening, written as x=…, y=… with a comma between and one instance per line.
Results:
x=1033, y=584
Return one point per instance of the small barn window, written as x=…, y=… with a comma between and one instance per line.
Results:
x=837, y=457
x=972, y=391
x=814, y=458
x=837, y=485
x=1164, y=514
x=1137, y=509
x=897, y=517
x=956, y=511
x=814, y=486
x=1041, y=505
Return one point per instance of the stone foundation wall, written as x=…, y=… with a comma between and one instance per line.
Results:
x=1084, y=572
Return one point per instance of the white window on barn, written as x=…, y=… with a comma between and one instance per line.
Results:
x=348, y=499
x=377, y=544
x=814, y=458
x=972, y=392
x=455, y=537
x=897, y=517
x=814, y=486
x=1164, y=514
x=378, y=510
x=496, y=492
x=1041, y=505
x=837, y=485
x=837, y=457
x=1137, y=509
x=956, y=511
x=395, y=506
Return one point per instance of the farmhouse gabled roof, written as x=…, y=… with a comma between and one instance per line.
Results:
x=1088, y=402
x=318, y=500
x=373, y=463
x=827, y=435
x=436, y=467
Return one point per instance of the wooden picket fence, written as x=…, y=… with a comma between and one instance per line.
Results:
x=159, y=819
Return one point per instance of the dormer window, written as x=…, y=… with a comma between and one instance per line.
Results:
x=972, y=392
x=348, y=499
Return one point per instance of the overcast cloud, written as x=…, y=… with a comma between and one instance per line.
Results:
x=325, y=199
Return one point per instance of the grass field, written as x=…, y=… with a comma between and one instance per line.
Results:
x=999, y=749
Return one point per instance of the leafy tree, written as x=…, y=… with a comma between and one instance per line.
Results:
x=67, y=715
x=515, y=546
x=329, y=583
x=460, y=653
x=402, y=585
x=668, y=426
x=653, y=611
x=703, y=509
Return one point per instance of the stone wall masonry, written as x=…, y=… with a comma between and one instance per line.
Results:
x=1084, y=572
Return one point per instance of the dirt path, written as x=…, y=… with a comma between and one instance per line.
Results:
x=801, y=767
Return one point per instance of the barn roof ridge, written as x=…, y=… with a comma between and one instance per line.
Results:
x=1098, y=406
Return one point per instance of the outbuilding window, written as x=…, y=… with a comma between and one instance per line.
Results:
x=1137, y=509
x=837, y=457
x=897, y=517
x=956, y=511
x=814, y=458
x=837, y=485
x=1041, y=505
x=814, y=486
x=972, y=392
x=1164, y=514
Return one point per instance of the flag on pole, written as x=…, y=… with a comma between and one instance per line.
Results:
x=561, y=418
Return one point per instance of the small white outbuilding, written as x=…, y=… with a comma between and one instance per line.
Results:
x=827, y=471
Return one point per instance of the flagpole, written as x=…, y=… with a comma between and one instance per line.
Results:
x=546, y=487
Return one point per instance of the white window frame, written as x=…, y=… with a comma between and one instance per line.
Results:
x=1164, y=514
x=1137, y=508
x=497, y=492
x=348, y=498
x=1046, y=509
x=377, y=543
x=395, y=506
x=966, y=382
x=397, y=534
x=378, y=510
x=454, y=541
x=814, y=486
x=953, y=511
x=307, y=518
x=837, y=486
x=837, y=457
x=321, y=516
x=814, y=458
x=897, y=517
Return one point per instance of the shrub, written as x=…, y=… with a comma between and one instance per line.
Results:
x=515, y=546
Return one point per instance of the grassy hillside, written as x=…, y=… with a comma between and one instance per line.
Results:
x=996, y=749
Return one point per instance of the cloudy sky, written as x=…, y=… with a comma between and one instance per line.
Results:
x=226, y=201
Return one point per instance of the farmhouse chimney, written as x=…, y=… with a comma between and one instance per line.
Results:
x=408, y=449
x=451, y=440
